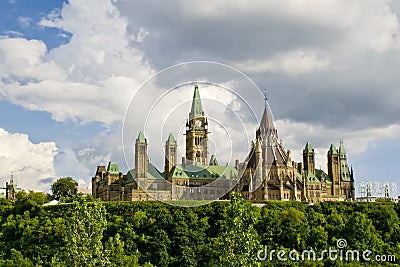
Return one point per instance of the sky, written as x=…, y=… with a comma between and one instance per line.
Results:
x=80, y=79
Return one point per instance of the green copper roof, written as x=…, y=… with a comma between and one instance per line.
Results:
x=319, y=173
x=204, y=172
x=213, y=161
x=152, y=172
x=141, y=137
x=130, y=176
x=196, y=110
x=341, y=148
x=308, y=148
x=171, y=139
x=332, y=150
x=318, y=177
x=112, y=168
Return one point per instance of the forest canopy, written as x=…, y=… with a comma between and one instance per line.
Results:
x=88, y=232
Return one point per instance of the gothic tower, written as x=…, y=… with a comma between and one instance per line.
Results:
x=266, y=145
x=333, y=170
x=11, y=189
x=141, y=157
x=170, y=155
x=268, y=135
x=267, y=131
x=344, y=167
x=197, y=132
x=346, y=176
x=309, y=159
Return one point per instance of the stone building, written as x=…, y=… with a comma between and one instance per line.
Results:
x=268, y=172
x=11, y=190
x=195, y=178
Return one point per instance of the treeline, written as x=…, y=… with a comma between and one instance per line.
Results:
x=232, y=233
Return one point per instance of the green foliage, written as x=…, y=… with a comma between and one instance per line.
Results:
x=16, y=259
x=85, y=232
x=64, y=188
x=30, y=201
x=114, y=250
x=83, y=238
x=238, y=243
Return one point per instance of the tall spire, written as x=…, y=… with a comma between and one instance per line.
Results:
x=141, y=137
x=341, y=148
x=197, y=109
x=265, y=97
x=332, y=150
x=267, y=131
x=171, y=139
x=308, y=148
x=267, y=122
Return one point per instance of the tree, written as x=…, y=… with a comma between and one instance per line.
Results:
x=114, y=250
x=295, y=227
x=64, y=187
x=84, y=233
x=238, y=243
x=16, y=259
x=29, y=201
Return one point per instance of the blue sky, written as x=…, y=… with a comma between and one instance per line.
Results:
x=69, y=69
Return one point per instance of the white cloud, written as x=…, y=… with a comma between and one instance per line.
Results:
x=292, y=63
x=24, y=21
x=363, y=24
x=296, y=135
x=31, y=163
x=81, y=183
x=8, y=34
x=91, y=78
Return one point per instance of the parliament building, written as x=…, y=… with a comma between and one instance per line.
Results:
x=267, y=173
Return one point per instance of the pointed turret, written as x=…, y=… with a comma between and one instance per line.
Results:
x=259, y=164
x=141, y=138
x=197, y=110
x=11, y=189
x=267, y=122
x=351, y=174
x=334, y=170
x=342, y=151
x=258, y=146
x=267, y=131
x=213, y=161
x=112, y=168
x=308, y=148
x=141, y=156
x=171, y=139
x=309, y=159
x=344, y=166
x=332, y=150
x=197, y=132
x=171, y=155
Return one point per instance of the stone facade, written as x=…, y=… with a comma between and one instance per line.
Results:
x=268, y=172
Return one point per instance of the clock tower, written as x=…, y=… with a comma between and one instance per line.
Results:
x=197, y=132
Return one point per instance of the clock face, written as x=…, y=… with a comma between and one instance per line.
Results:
x=198, y=123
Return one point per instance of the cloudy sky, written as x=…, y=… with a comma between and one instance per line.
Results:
x=76, y=76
